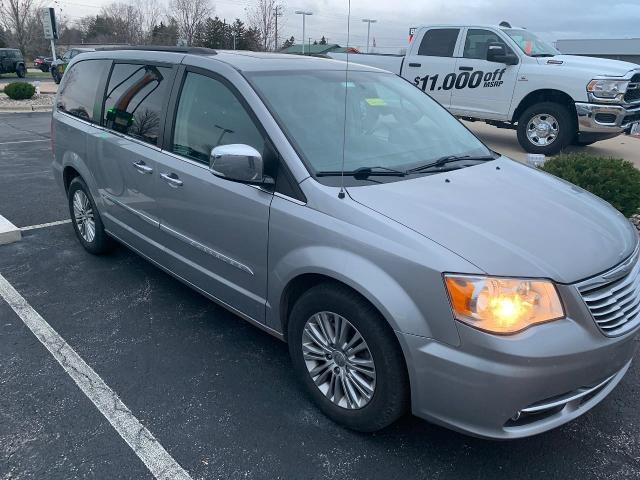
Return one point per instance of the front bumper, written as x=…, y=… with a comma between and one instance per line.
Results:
x=506, y=387
x=601, y=118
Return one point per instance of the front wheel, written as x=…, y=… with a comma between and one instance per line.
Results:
x=21, y=71
x=348, y=358
x=86, y=220
x=546, y=128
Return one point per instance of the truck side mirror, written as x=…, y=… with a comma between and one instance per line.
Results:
x=497, y=52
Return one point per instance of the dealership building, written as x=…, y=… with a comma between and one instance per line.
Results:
x=626, y=49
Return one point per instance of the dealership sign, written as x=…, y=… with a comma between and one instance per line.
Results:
x=48, y=17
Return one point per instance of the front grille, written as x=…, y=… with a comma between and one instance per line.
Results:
x=615, y=305
x=633, y=90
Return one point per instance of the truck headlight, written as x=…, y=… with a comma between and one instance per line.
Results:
x=502, y=305
x=607, y=88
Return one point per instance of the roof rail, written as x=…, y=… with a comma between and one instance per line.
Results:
x=162, y=48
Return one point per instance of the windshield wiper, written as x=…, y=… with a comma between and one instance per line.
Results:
x=442, y=161
x=538, y=55
x=363, y=173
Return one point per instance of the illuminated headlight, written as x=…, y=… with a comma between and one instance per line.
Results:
x=502, y=305
x=607, y=88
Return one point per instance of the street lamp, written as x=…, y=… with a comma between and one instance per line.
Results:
x=304, y=16
x=368, y=21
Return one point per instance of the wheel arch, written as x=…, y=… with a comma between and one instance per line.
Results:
x=368, y=280
x=544, y=95
x=68, y=174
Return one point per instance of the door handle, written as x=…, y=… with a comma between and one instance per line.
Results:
x=415, y=64
x=172, y=179
x=142, y=167
x=466, y=69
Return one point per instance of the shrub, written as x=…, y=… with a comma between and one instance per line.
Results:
x=19, y=90
x=615, y=180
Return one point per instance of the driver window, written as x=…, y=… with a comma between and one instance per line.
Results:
x=477, y=43
x=208, y=115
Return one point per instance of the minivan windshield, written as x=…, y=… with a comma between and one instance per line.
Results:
x=391, y=126
x=530, y=44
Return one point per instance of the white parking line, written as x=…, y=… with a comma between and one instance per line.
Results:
x=45, y=225
x=25, y=141
x=146, y=447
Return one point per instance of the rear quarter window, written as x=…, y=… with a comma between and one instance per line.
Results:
x=79, y=90
x=439, y=42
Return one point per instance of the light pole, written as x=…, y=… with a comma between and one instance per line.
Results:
x=304, y=16
x=368, y=21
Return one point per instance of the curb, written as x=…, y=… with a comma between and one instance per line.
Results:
x=9, y=233
x=30, y=108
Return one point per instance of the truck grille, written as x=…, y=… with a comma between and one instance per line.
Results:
x=633, y=90
x=615, y=305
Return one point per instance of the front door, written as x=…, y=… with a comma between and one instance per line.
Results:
x=215, y=230
x=483, y=88
x=431, y=66
x=135, y=99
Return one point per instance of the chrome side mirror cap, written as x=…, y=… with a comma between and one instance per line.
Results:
x=238, y=163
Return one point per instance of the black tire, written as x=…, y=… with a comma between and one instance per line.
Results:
x=101, y=243
x=21, y=71
x=390, y=399
x=564, y=120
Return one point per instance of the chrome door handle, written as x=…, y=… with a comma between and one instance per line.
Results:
x=172, y=179
x=142, y=167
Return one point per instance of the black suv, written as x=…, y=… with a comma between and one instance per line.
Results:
x=11, y=61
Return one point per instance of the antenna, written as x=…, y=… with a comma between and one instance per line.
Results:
x=346, y=89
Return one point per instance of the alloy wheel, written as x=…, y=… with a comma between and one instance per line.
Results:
x=542, y=130
x=338, y=360
x=83, y=216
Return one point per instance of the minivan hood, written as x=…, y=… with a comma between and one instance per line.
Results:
x=595, y=66
x=509, y=219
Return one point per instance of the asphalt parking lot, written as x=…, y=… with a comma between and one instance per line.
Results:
x=217, y=394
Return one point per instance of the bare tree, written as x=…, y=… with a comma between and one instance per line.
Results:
x=152, y=14
x=17, y=16
x=263, y=17
x=190, y=14
x=126, y=21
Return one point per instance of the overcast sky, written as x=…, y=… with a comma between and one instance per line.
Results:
x=552, y=19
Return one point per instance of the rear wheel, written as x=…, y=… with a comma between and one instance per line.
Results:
x=86, y=219
x=546, y=128
x=21, y=71
x=348, y=358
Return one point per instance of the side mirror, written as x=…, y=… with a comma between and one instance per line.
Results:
x=497, y=52
x=238, y=163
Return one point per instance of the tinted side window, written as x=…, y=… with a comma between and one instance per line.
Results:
x=208, y=115
x=439, y=42
x=135, y=99
x=78, y=92
x=477, y=43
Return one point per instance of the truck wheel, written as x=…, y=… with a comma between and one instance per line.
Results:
x=348, y=358
x=21, y=71
x=546, y=128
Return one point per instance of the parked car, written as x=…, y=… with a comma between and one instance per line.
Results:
x=59, y=65
x=42, y=63
x=510, y=78
x=346, y=212
x=11, y=61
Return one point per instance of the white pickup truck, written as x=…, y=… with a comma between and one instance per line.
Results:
x=510, y=78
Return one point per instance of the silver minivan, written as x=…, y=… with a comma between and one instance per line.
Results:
x=341, y=209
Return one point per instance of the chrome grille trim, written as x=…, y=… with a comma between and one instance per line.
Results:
x=613, y=298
